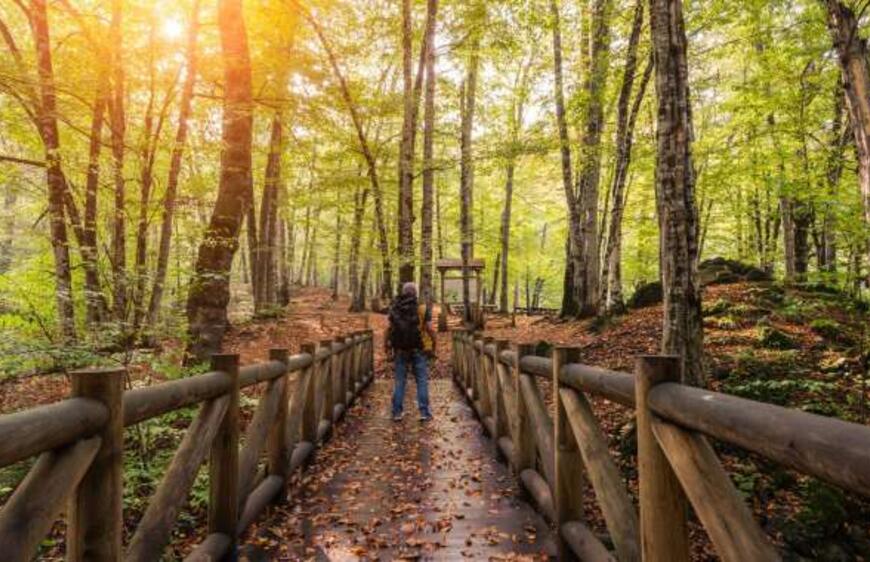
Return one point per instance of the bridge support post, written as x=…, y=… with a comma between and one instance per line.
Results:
x=663, y=506
x=524, y=442
x=309, y=401
x=325, y=372
x=279, y=454
x=370, y=354
x=223, y=502
x=568, y=488
x=94, y=530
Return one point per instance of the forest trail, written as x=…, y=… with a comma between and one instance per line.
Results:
x=381, y=490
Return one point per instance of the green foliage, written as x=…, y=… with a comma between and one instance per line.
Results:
x=719, y=306
x=831, y=330
x=780, y=392
x=772, y=338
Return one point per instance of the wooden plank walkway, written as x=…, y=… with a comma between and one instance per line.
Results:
x=382, y=490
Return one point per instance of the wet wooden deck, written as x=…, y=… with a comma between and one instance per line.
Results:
x=382, y=490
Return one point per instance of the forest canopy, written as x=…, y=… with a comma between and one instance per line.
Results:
x=159, y=160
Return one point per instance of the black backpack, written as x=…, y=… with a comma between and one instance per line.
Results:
x=405, y=325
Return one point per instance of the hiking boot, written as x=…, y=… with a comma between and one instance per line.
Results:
x=397, y=417
x=425, y=418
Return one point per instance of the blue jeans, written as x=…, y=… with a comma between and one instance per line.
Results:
x=417, y=361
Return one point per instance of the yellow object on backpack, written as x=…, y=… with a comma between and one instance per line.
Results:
x=425, y=336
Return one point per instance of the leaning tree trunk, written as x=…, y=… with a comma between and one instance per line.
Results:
x=426, y=261
x=675, y=185
x=570, y=306
x=625, y=121
x=852, y=51
x=56, y=182
x=175, y=168
x=209, y=291
x=368, y=154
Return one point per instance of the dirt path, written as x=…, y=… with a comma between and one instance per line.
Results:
x=382, y=490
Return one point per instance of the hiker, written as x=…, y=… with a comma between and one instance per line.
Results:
x=410, y=341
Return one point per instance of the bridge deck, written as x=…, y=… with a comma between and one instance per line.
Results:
x=386, y=490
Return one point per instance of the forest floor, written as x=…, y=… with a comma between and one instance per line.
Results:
x=795, y=347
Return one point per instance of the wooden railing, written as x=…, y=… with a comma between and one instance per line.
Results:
x=80, y=444
x=551, y=455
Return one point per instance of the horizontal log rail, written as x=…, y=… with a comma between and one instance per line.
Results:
x=553, y=451
x=80, y=447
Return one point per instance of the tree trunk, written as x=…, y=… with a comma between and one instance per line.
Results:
x=95, y=303
x=626, y=117
x=570, y=305
x=852, y=51
x=56, y=182
x=175, y=167
x=426, y=262
x=10, y=198
x=264, y=288
x=466, y=225
x=209, y=291
x=439, y=230
x=515, y=123
x=358, y=297
x=405, y=214
x=506, y=234
x=586, y=258
x=496, y=271
x=834, y=171
x=118, y=126
x=300, y=278
x=675, y=185
x=336, y=267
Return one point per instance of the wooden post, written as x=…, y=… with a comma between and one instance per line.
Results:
x=325, y=387
x=279, y=453
x=338, y=374
x=309, y=402
x=663, y=529
x=455, y=355
x=502, y=410
x=223, y=503
x=524, y=444
x=495, y=391
x=370, y=355
x=94, y=531
x=485, y=381
x=568, y=488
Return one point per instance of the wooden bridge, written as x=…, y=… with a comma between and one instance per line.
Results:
x=535, y=410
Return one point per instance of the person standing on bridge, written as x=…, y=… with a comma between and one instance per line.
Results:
x=409, y=341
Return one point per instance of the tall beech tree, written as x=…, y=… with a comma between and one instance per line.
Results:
x=675, y=189
x=468, y=93
x=428, y=200
x=209, y=290
x=46, y=117
x=586, y=254
x=852, y=53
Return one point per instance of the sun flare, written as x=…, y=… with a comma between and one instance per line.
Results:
x=172, y=29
